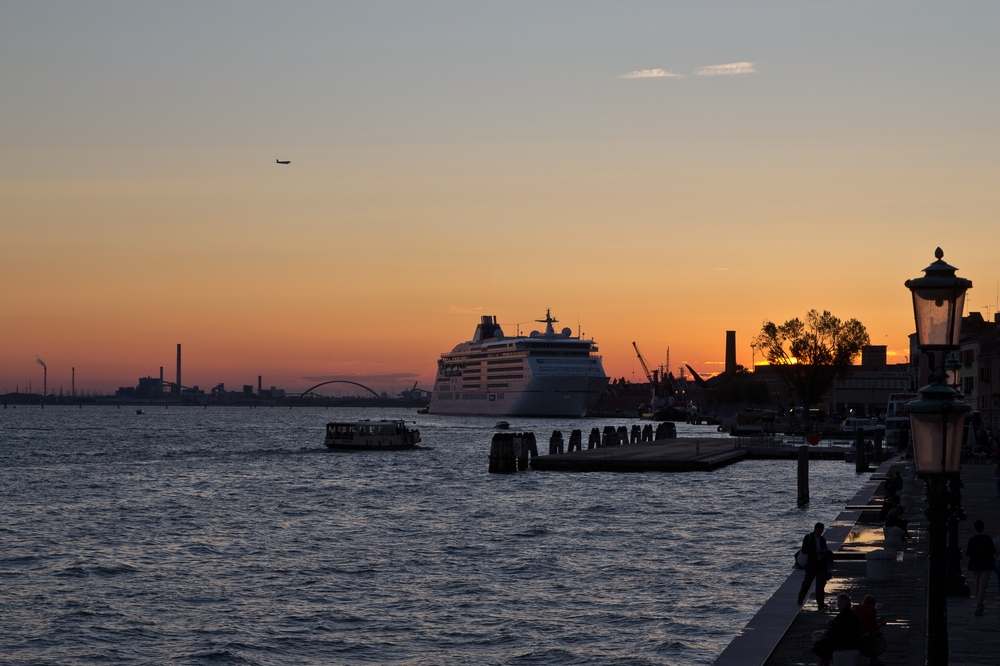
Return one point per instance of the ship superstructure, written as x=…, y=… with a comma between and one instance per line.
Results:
x=542, y=374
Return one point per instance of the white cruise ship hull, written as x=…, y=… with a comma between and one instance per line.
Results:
x=542, y=374
x=568, y=397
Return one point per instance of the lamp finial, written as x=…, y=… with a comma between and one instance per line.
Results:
x=939, y=253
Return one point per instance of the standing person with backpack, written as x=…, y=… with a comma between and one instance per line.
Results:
x=817, y=565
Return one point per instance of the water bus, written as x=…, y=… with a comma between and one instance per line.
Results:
x=371, y=436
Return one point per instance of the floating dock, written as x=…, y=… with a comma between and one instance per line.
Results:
x=702, y=454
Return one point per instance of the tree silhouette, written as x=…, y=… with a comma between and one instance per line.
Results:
x=739, y=386
x=810, y=355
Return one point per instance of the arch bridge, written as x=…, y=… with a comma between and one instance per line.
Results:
x=338, y=381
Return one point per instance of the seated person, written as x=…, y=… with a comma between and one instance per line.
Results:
x=887, y=506
x=843, y=633
x=870, y=624
x=895, y=519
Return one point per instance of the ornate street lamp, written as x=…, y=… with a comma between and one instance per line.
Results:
x=938, y=302
x=937, y=418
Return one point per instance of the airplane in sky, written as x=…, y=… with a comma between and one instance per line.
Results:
x=283, y=161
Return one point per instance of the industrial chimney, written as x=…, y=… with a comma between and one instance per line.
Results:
x=177, y=387
x=258, y=384
x=73, y=384
x=730, y=351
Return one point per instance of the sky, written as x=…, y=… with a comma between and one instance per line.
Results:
x=652, y=172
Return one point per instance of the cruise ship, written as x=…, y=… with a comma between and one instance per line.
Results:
x=541, y=374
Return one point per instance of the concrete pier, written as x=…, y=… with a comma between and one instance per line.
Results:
x=668, y=455
x=688, y=454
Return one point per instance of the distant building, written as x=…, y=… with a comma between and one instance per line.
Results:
x=979, y=353
x=148, y=388
x=863, y=390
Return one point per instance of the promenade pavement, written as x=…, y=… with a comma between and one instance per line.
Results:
x=902, y=601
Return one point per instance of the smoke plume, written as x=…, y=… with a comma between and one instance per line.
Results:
x=40, y=362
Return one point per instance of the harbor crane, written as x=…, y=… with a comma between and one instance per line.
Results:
x=642, y=362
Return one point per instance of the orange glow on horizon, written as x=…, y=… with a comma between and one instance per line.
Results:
x=438, y=174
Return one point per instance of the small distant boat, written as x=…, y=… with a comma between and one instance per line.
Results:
x=501, y=425
x=140, y=411
x=422, y=410
x=371, y=436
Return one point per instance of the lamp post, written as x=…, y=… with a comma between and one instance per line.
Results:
x=936, y=421
x=957, y=587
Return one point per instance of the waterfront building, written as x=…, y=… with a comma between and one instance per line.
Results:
x=863, y=389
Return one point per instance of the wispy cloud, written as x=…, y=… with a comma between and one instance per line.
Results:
x=650, y=74
x=725, y=70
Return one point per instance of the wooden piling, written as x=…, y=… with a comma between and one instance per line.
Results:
x=504, y=451
x=555, y=442
x=525, y=447
x=803, y=494
x=576, y=441
x=860, y=454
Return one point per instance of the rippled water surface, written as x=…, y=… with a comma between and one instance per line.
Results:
x=231, y=535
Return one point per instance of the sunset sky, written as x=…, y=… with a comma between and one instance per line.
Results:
x=657, y=172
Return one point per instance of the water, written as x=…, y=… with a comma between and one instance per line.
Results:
x=232, y=536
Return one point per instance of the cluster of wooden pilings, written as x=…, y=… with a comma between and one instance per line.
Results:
x=511, y=452
x=621, y=436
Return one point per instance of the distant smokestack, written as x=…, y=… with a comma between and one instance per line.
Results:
x=730, y=351
x=161, y=374
x=178, y=386
x=73, y=384
x=258, y=384
x=45, y=375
